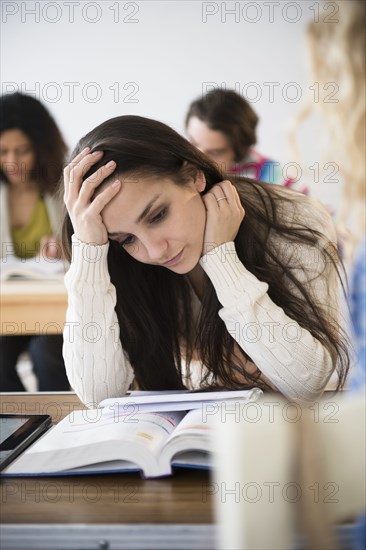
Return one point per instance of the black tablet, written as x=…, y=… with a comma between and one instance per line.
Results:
x=17, y=432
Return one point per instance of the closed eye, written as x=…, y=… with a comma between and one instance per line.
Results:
x=155, y=219
x=161, y=215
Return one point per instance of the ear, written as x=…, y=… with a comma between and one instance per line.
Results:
x=200, y=181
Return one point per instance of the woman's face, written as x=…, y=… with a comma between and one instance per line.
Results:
x=17, y=157
x=212, y=143
x=159, y=222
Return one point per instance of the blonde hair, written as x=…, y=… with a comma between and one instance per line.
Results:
x=337, y=59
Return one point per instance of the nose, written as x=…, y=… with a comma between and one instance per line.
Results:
x=10, y=163
x=9, y=158
x=156, y=247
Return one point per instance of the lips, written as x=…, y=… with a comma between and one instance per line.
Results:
x=174, y=260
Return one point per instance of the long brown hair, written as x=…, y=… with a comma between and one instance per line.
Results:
x=153, y=303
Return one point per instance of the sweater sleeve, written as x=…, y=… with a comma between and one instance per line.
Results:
x=296, y=363
x=96, y=364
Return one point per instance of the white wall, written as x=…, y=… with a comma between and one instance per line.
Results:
x=153, y=57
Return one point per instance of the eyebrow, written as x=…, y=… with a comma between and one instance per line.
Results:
x=19, y=146
x=141, y=217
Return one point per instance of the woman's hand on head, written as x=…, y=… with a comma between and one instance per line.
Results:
x=83, y=209
x=224, y=214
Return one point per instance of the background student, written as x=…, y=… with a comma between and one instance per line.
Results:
x=191, y=280
x=222, y=124
x=31, y=160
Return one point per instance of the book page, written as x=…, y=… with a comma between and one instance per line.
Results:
x=93, y=436
x=100, y=425
x=191, y=439
x=194, y=437
x=197, y=422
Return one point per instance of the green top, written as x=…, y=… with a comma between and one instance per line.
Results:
x=26, y=240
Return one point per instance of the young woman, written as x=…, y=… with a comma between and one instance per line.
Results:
x=180, y=278
x=222, y=124
x=32, y=155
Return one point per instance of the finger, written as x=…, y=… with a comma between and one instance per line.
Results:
x=79, y=156
x=221, y=199
x=228, y=190
x=217, y=191
x=80, y=168
x=233, y=199
x=236, y=197
x=222, y=191
x=90, y=184
x=239, y=204
x=77, y=172
x=104, y=198
x=210, y=202
x=67, y=169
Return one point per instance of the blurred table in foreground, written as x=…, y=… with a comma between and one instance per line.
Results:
x=113, y=511
x=32, y=307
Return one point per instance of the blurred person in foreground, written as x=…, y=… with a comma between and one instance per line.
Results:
x=32, y=153
x=337, y=55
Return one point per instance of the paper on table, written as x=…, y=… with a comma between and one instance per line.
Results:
x=176, y=401
x=38, y=268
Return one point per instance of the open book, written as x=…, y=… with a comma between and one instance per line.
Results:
x=121, y=438
x=32, y=269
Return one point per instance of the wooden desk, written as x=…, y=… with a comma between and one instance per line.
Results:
x=32, y=307
x=114, y=511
